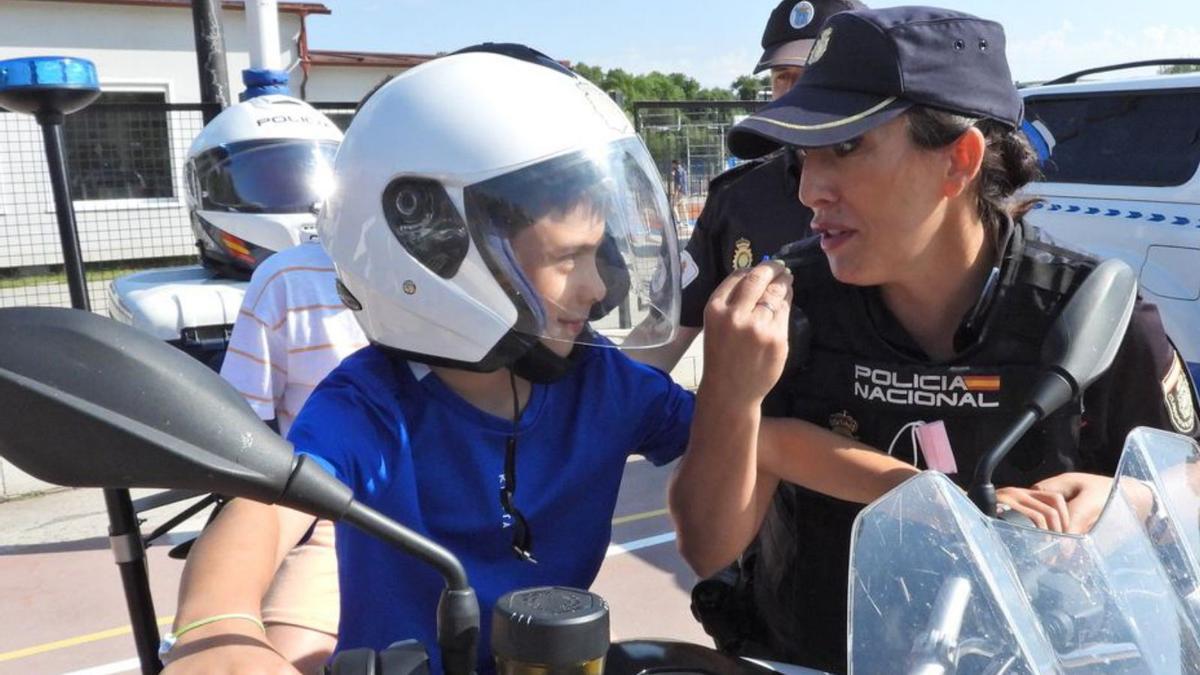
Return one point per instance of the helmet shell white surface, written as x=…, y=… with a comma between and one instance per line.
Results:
x=457, y=120
x=262, y=125
x=265, y=117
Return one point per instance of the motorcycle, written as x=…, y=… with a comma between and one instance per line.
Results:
x=940, y=588
x=936, y=585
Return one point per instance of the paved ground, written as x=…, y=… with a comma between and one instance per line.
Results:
x=61, y=607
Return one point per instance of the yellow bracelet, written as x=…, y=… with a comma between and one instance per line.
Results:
x=170, y=639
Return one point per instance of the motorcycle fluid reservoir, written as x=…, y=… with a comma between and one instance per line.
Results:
x=538, y=631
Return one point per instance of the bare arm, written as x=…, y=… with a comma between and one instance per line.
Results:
x=228, y=571
x=803, y=453
x=723, y=511
x=724, y=484
x=718, y=490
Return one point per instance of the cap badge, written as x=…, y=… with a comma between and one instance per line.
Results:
x=820, y=46
x=743, y=257
x=802, y=14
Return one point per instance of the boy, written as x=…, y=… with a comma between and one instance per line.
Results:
x=474, y=252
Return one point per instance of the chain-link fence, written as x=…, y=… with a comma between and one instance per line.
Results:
x=692, y=132
x=125, y=161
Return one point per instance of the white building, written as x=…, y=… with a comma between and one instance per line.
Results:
x=126, y=169
x=149, y=46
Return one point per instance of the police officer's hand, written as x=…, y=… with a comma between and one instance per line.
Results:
x=1085, y=494
x=1047, y=508
x=746, y=332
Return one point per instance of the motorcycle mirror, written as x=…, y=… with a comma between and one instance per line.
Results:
x=1084, y=339
x=90, y=402
x=1080, y=346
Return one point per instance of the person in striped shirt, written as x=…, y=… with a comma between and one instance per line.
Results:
x=291, y=331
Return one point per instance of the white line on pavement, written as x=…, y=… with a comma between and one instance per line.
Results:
x=618, y=549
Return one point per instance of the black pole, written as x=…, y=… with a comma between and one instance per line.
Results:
x=68, y=233
x=123, y=532
x=130, y=552
x=210, y=57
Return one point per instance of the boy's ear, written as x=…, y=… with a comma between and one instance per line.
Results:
x=965, y=159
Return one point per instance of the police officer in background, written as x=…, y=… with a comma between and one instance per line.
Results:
x=751, y=210
x=927, y=298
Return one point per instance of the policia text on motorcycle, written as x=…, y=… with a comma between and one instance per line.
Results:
x=923, y=297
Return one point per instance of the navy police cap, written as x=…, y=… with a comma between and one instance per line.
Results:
x=793, y=28
x=869, y=66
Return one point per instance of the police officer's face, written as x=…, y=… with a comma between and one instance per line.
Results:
x=557, y=253
x=877, y=203
x=783, y=78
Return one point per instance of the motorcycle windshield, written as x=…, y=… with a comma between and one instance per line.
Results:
x=936, y=587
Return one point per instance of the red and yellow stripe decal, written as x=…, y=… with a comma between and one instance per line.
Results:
x=982, y=382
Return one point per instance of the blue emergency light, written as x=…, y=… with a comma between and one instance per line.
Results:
x=47, y=84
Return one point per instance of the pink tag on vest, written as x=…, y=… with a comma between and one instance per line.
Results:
x=935, y=447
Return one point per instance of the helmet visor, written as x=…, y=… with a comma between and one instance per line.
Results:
x=263, y=176
x=584, y=245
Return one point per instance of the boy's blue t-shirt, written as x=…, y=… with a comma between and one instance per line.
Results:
x=414, y=450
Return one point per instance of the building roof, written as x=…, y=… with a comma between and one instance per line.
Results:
x=288, y=7
x=323, y=57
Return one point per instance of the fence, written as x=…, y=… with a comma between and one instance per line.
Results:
x=692, y=132
x=126, y=165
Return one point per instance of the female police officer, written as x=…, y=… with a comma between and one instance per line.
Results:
x=925, y=298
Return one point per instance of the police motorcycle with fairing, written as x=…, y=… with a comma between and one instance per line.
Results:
x=254, y=180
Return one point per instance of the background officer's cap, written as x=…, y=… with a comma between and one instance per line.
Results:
x=792, y=30
x=869, y=66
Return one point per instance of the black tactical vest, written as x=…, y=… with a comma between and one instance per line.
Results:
x=849, y=379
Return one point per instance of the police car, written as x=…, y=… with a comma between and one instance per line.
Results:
x=1120, y=159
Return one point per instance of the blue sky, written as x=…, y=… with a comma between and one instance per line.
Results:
x=717, y=41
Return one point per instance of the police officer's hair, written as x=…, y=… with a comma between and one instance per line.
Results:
x=1008, y=162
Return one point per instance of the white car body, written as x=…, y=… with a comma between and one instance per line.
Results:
x=1127, y=128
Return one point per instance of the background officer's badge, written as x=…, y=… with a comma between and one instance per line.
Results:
x=743, y=257
x=802, y=14
x=818, y=49
x=843, y=424
x=1177, y=394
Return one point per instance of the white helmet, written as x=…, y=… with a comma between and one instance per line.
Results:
x=442, y=175
x=256, y=175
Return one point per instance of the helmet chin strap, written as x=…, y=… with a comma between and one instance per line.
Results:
x=542, y=366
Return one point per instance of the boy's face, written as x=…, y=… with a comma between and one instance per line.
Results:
x=557, y=253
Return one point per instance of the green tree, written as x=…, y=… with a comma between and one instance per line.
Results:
x=652, y=86
x=748, y=87
x=593, y=74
